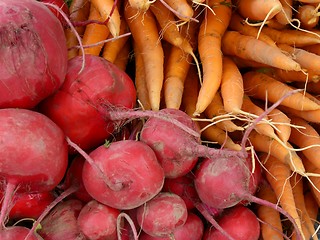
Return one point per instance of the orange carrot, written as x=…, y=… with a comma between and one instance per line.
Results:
x=247, y=47
x=308, y=16
x=211, y=30
x=297, y=190
x=122, y=58
x=256, y=11
x=292, y=76
x=311, y=116
x=315, y=48
x=282, y=123
x=284, y=17
x=181, y=8
x=140, y=5
x=261, y=86
x=94, y=33
x=216, y=134
x=311, y=205
x=271, y=226
x=231, y=86
x=109, y=12
x=291, y=37
x=216, y=110
x=140, y=80
x=307, y=60
x=237, y=23
x=265, y=144
x=304, y=137
x=145, y=34
x=113, y=48
x=278, y=175
x=79, y=12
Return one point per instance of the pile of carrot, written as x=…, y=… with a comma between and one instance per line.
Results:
x=224, y=63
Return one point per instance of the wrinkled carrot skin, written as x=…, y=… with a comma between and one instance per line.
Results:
x=247, y=47
x=79, y=12
x=278, y=176
x=232, y=90
x=94, y=33
x=261, y=86
x=237, y=23
x=271, y=226
x=256, y=11
x=145, y=34
x=291, y=37
x=282, y=123
x=211, y=30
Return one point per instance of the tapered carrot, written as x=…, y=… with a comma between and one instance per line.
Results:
x=306, y=136
x=246, y=63
x=284, y=17
x=291, y=37
x=307, y=60
x=215, y=111
x=112, y=48
x=311, y=116
x=315, y=48
x=211, y=30
x=232, y=91
x=122, y=58
x=292, y=76
x=271, y=226
x=79, y=12
x=140, y=80
x=237, y=23
x=256, y=11
x=308, y=229
x=265, y=144
x=109, y=12
x=278, y=175
x=261, y=86
x=282, y=123
x=311, y=205
x=181, y=8
x=94, y=33
x=311, y=87
x=308, y=16
x=216, y=134
x=145, y=34
x=247, y=47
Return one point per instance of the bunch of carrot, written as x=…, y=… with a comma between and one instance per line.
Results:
x=224, y=63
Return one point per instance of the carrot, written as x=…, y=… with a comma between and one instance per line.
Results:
x=247, y=47
x=271, y=226
x=256, y=11
x=297, y=190
x=181, y=8
x=109, y=13
x=122, y=58
x=278, y=175
x=263, y=127
x=311, y=87
x=261, y=86
x=141, y=5
x=94, y=33
x=282, y=123
x=215, y=111
x=292, y=76
x=211, y=30
x=265, y=144
x=168, y=25
x=231, y=86
x=113, y=48
x=292, y=37
x=311, y=116
x=145, y=34
x=79, y=12
x=308, y=16
x=284, y=17
x=315, y=48
x=307, y=60
x=216, y=134
x=237, y=23
x=246, y=63
x=306, y=136
x=140, y=80
x=311, y=205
